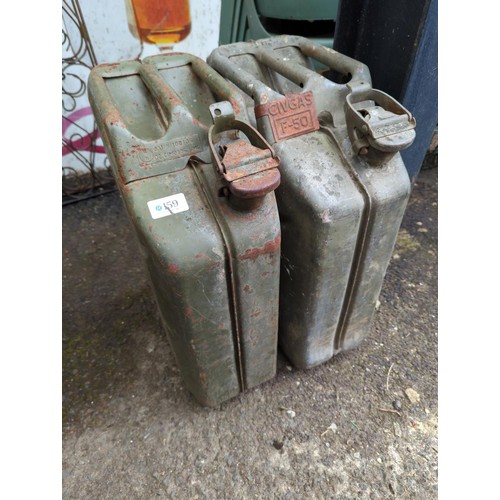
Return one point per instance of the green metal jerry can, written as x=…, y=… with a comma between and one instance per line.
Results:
x=198, y=181
x=344, y=186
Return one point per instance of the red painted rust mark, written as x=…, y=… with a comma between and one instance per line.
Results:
x=250, y=171
x=291, y=116
x=236, y=105
x=270, y=247
x=264, y=274
x=231, y=213
x=256, y=313
x=108, y=67
x=256, y=185
x=247, y=289
x=113, y=117
x=210, y=263
x=173, y=268
x=240, y=153
x=188, y=312
x=213, y=265
x=131, y=174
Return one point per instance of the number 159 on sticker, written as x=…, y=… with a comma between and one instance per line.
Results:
x=163, y=207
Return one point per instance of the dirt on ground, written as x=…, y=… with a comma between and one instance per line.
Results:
x=363, y=425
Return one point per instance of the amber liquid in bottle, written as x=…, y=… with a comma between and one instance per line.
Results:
x=161, y=22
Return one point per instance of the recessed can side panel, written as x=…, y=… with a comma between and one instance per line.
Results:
x=187, y=263
x=320, y=208
x=389, y=189
x=255, y=243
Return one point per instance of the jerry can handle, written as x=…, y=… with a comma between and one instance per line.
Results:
x=249, y=168
x=100, y=97
x=377, y=124
x=334, y=60
x=171, y=101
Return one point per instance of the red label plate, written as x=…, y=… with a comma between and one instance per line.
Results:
x=291, y=116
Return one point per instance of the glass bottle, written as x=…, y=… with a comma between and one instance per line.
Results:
x=160, y=22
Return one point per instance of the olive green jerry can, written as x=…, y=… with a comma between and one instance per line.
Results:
x=197, y=181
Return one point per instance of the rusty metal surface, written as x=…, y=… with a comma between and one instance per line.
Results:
x=320, y=209
x=214, y=268
x=290, y=117
x=341, y=205
x=248, y=166
x=377, y=124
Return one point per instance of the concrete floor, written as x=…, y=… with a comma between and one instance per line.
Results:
x=131, y=430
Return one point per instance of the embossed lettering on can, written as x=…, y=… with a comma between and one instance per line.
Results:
x=291, y=116
x=177, y=148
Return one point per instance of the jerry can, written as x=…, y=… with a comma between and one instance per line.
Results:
x=197, y=181
x=344, y=186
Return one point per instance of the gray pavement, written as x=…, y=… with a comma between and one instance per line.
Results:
x=363, y=425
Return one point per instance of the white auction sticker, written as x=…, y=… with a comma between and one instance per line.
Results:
x=163, y=207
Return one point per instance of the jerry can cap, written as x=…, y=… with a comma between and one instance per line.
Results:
x=377, y=124
x=250, y=169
